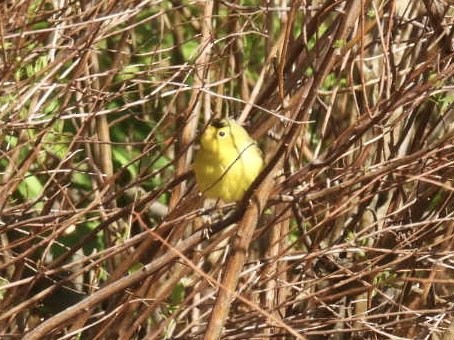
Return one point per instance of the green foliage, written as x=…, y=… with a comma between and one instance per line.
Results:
x=178, y=295
x=30, y=187
x=371, y=13
x=78, y=77
x=189, y=49
x=72, y=236
x=81, y=180
x=383, y=279
x=340, y=43
x=123, y=157
x=444, y=101
x=331, y=81
x=30, y=69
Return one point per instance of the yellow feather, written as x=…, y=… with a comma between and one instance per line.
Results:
x=228, y=161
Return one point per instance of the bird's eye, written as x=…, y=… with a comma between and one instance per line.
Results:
x=221, y=133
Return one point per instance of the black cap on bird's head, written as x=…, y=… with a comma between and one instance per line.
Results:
x=219, y=123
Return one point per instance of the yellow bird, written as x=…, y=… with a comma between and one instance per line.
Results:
x=228, y=161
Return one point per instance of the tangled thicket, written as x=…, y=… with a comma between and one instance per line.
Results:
x=348, y=232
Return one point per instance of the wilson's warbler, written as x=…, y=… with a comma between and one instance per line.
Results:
x=228, y=161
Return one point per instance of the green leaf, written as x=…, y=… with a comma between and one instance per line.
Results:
x=124, y=157
x=178, y=294
x=340, y=43
x=190, y=49
x=30, y=187
x=128, y=72
x=81, y=180
x=74, y=234
x=52, y=106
